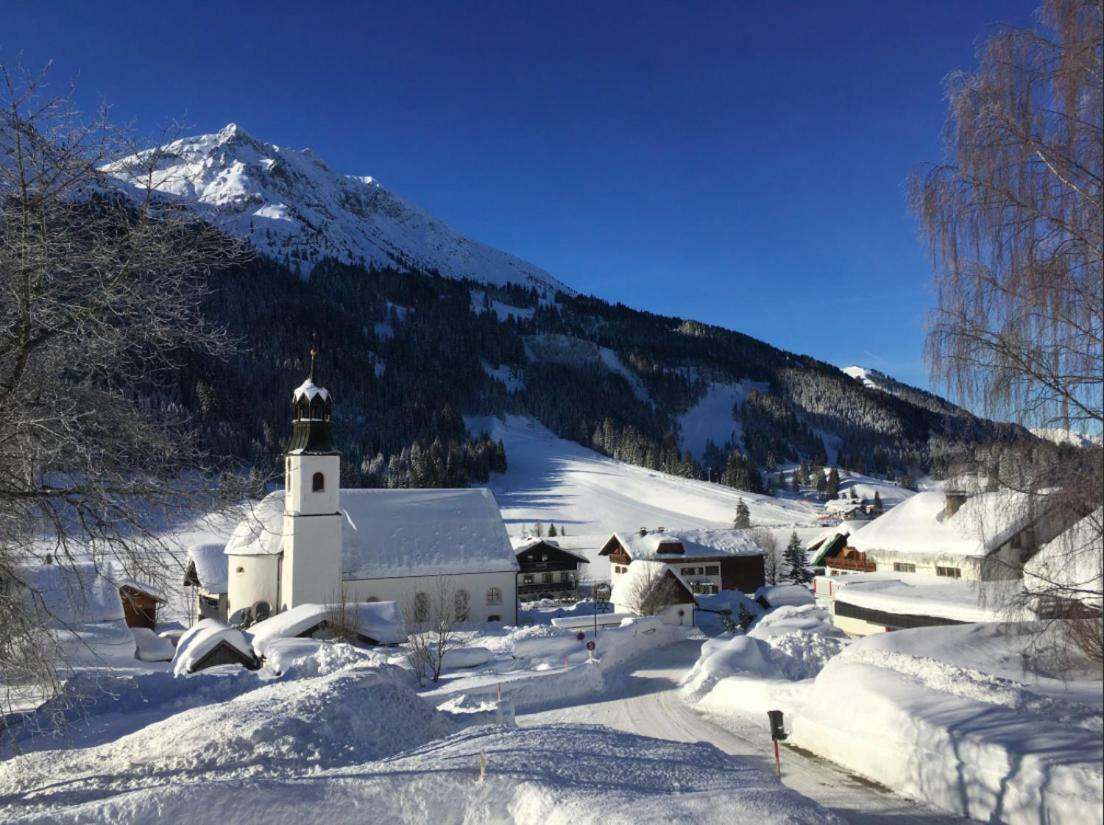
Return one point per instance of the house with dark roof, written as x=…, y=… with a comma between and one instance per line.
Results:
x=547, y=570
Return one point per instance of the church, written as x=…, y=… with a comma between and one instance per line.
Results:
x=313, y=542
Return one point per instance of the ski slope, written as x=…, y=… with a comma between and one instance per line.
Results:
x=549, y=479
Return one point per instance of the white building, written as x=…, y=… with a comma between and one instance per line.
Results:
x=986, y=536
x=314, y=543
x=699, y=563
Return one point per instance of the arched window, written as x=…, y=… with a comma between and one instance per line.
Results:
x=318, y=483
x=421, y=607
x=494, y=595
x=461, y=605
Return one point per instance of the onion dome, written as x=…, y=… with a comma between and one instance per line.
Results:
x=312, y=410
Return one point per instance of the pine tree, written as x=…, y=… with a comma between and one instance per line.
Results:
x=795, y=560
x=538, y=531
x=833, y=484
x=877, y=502
x=552, y=531
x=743, y=516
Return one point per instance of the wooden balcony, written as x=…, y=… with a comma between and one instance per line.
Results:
x=853, y=562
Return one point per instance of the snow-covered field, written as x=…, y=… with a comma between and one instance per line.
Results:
x=343, y=734
x=553, y=480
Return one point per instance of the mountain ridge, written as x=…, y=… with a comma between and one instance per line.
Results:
x=292, y=207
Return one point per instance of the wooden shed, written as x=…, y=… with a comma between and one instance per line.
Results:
x=139, y=604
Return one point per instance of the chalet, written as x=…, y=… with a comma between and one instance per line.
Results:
x=701, y=562
x=205, y=574
x=953, y=535
x=314, y=543
x=547, y=570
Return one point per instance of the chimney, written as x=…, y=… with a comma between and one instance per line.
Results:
x=643, y=531
x=660, y=529
x=953, y=499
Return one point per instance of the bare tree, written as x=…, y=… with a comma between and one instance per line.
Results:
x=99, y=292
x=431, y=617
x=1014, y=219
x=772, y=553
x=652, y=589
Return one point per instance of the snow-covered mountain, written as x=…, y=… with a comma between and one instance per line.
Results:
x=292, y=207
x=876, y=380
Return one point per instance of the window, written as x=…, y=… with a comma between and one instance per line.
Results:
x=713, y=570
x=527, y=578
x=421, y=607
x=494, y=618
x=903, y=567
x=949, y=572
x=494, y=596
x=318, y=483
x=461, y=605
x=546, y=578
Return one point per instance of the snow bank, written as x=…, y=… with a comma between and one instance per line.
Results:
x=545, y=775
x=967, y=741
x=149, y=647
x=284, y=727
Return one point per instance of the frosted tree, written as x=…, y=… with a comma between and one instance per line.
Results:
x=100, y=295
x=795, y=561
x=742, y=521
x=772, y=554
x=1014, y=218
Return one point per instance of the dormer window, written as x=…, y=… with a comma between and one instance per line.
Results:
x=318, y=483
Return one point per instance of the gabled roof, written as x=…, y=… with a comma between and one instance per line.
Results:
x=695, y=544
x=920, y=525
x=395, y=533
x=207, y=567
x=529, y=542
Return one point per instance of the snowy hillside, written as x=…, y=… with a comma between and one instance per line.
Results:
x=295, y=209
x=550, y=479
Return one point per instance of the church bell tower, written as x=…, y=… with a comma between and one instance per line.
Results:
x=311, y=567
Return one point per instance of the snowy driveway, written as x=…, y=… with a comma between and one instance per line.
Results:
x=645, y=700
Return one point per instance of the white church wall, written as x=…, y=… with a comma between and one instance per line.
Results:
x=478, y=585
x=252, y=579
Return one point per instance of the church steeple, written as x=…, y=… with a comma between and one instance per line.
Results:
x=312, y=410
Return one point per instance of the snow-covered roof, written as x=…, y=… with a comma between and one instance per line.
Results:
x=780, y=595
x=918, y=595
x=393, y=533
x=203, y=637
x=141, y=587
x=210, y=566
x=74, y=593
x=310, y=390
x=920, y=525
x=695, y=544
x=381, y=621
x=1071, y=562
x=639, y=574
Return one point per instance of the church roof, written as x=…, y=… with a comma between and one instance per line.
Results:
x=310, y=391
x=395, y=533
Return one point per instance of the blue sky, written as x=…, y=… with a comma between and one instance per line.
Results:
x=738, y=163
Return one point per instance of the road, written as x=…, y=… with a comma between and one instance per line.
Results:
x=645, y=700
